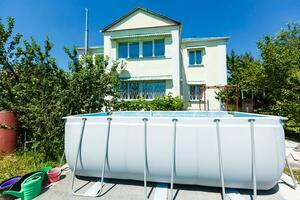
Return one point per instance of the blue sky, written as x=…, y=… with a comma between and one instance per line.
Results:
x=245, y=21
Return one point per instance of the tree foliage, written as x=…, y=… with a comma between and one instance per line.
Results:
x=40, y=93
x=274, y=77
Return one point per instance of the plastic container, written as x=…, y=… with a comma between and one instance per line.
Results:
x=8, y=183
x=46, y=169
x=30, y=188
x=54, y=174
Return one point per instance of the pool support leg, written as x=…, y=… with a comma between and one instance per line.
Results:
x=145, y=158
x=291, y=170
x=105, y=154
x=253, y=159
x=217, y=121
x=78, y=149
x=96, y=189
x=173, y=157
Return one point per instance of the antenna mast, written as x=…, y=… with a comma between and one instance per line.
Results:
x=86, y=38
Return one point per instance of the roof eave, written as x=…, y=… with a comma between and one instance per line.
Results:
x=105, y=29
x=226, y=38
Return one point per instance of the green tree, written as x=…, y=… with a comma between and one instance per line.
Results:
x=41, y=93
x=90, y=81
x=281, y=65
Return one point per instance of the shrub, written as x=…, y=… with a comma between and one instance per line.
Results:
x=40, y=93
x=158, y=103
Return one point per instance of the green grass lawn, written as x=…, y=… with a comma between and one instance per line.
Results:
x=18, y=163
x=296, y=173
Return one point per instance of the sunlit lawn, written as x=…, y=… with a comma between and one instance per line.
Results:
x=17, y=164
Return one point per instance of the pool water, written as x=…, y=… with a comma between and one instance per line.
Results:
x=172, y=114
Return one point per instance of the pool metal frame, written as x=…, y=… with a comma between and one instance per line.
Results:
x=96, y=189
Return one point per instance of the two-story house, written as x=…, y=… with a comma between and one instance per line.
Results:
x=159, y=61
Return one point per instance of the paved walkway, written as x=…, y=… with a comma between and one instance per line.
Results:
x=134, y=190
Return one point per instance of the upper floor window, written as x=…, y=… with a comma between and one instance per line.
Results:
x=123, y=50
x=134, y=50
x=150, y=48
x=159, y=47
x=195, y=57
x=153, y=48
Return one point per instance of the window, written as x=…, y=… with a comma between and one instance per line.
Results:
x=129, y=50
x=133, y=90
x=124, y=90
x=159, y=47
x=195, y=57
x=153, y=48
x=195, y=92
x=147, y=90
x=147, y=49
x=134, y=50
x=123, y=50
x=150, y=49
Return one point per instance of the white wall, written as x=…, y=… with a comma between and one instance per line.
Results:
x=212, y=71
x=156, y=67
x=140, y=19
x=174, y=67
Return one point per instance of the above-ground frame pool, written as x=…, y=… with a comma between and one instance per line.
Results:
x=238, y=150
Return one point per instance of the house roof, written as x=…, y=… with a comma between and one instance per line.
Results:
x=92, y=47
x=204, y=39
x=135, y=10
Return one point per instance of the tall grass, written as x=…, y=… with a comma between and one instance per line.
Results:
x=18, y=164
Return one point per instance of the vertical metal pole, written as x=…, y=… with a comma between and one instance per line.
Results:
x=145, y=158
x=78, y=149
x=217, y=121
x=291, y=172
x=200, y=97
x=105, y=153
x=86, y=37
x=237, y=98
x=226, y=88
x=204, y=97
x=253, y=158
x=173, y=156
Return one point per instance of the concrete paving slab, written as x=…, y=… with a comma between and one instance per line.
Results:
x=134, y=190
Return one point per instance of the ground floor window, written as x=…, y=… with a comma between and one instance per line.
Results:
x=195, y=92
x=145, y=89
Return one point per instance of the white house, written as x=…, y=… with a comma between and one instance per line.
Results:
x=159, y=61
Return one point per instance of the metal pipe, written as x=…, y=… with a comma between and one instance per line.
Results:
x=200, y=97
x=103, y=165
x=204, y=86
x=226, y=88
x=173, y=156
x=105, y=154
x=217, y=121
x=237, y=98
x=253, y=159
x=145, y=158
x=291, y=171
x=86, y=37
x=78, y=149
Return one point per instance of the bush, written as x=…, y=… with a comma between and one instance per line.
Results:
x=159, y=103
x=40, y=93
